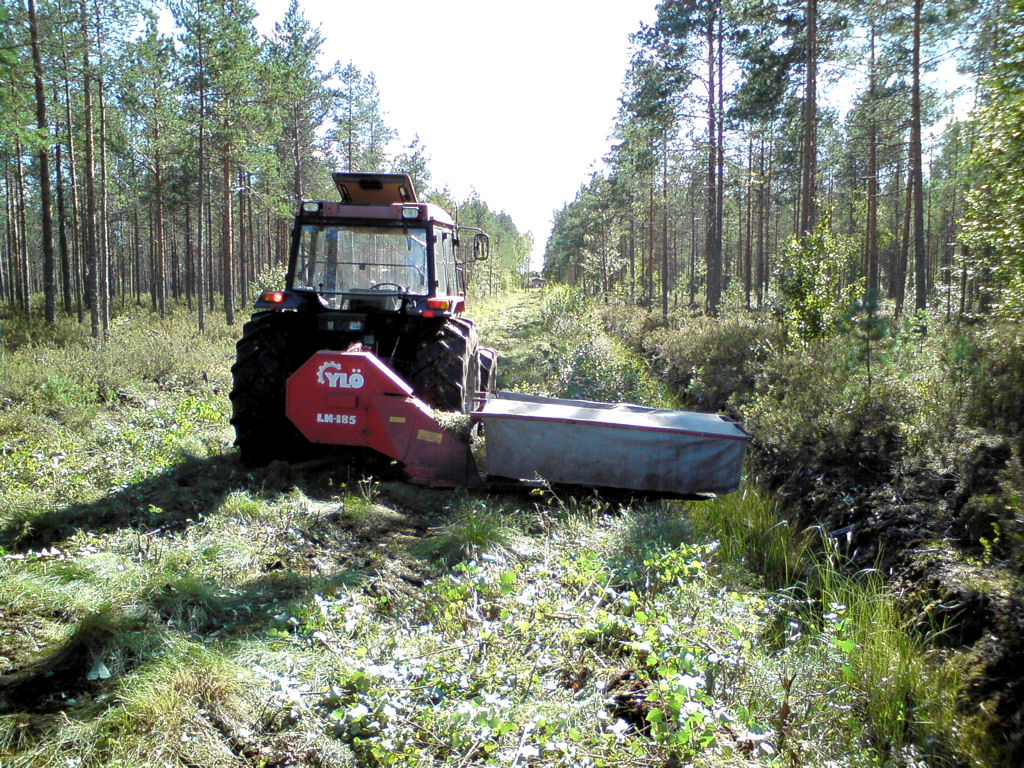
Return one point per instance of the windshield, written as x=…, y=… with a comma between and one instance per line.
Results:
x=358, y=259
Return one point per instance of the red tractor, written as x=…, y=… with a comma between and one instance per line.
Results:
x=378, y=272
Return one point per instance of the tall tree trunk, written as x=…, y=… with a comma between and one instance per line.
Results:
x=761, y=222
x=76, y=231
x=871, y=295
x=175, y=265
x=721, y=256
x=632, y=257
x=10, y=289
x=190, y=260
x=243, y=240
x=160, y=277
x=747, y=271
x=24, y=268
x=104, y=206
x=920, y=265
x=664, y=227
x=904, y=246
x=713, y=255
x=693, y=246
x=45, y=195
x=62, y=236
x=6, y=264
x=200, y=273
x=154, y=301
x=649, y=260
x=227, y=253
x=137, y=256
x=92, y=274
x=809, y=155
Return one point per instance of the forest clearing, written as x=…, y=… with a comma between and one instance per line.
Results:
x=807, y=217
x=165, y=606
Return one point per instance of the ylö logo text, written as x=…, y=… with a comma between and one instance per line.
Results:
x=331, y=374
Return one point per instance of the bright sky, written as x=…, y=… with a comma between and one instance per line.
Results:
x=515, y=99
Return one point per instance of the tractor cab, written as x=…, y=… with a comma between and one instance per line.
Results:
x=377, y=250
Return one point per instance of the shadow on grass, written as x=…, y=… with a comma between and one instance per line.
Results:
x=166, y=501
x=106, y=646
x=341, y=549
x=173, y=499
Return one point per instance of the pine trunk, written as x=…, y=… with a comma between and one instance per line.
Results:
x=713, y=255
x=872, y=212
x=809, y=155
x=158, y=203
x=24, y=268
x=920, y=255
x=227, y=251
x=901, y=259
x=103, y=214
x=43, y=158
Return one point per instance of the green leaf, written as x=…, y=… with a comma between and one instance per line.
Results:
x=846, y=646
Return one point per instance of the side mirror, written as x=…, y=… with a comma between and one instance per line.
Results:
x=481, y=247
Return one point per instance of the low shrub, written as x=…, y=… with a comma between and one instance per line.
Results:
x=814, y=401
x=707, y=361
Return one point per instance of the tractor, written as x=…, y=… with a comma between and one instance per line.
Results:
x=377, y=271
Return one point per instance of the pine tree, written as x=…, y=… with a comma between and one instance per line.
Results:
x=303, y=99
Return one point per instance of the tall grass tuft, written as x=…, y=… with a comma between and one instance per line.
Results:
x=752, y=534
x=474, y=529
x=908, y=696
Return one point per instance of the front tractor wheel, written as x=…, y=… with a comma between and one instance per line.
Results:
x=263, y=363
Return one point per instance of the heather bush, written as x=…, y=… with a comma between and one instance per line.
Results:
x=709, y=362
x=814, y=400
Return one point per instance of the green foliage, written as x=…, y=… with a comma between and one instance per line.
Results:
x=751, y=533
x=268, y=279
x=510, y=249
x=909, y=695
x=710, y=362
x=475, y=528
x=994, y=219
x=814, y=283
x=590, y=364
x=67, y=398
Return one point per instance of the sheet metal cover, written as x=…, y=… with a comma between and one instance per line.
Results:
x=612, y=445
x=513, y=405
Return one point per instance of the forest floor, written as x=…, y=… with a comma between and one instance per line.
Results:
x=160, y=604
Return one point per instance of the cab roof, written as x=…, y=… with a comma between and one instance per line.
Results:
x=374, y=188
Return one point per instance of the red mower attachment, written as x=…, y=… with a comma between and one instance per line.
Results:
x=353, y=399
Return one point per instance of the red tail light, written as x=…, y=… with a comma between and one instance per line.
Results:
x=438, y=303
x=272, y=297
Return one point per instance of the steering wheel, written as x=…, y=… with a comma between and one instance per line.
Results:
x=387, y=287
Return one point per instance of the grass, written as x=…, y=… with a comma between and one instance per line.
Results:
x=308, y=615
x=753, y=535
x=474, y=528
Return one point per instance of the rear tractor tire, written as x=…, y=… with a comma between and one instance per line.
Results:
x=445, y=370
x=265, y=356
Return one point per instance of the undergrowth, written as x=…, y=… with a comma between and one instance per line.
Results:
x=161, y=605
